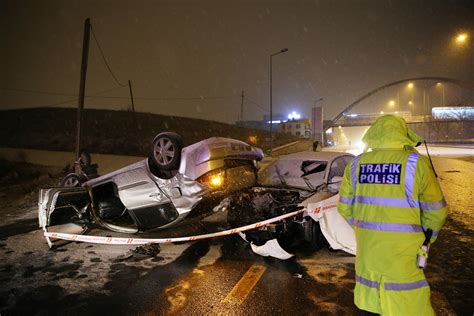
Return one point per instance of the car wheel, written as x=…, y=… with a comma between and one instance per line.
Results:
x=71, y=180
x=166, y=151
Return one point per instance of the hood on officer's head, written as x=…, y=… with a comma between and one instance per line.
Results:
x=390, y=131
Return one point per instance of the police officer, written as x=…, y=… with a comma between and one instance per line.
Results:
x=391, y=197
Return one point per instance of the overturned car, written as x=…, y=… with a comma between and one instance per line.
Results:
x=153, y=193
x=288, y=183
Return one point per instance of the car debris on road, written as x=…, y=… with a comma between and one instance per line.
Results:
x=151, y=250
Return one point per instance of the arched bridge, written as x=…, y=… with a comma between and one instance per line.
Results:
x=460, y=83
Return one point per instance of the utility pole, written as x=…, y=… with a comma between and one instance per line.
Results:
x=242, y=109
x=82, y=85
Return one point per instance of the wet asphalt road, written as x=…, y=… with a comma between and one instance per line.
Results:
x=219, y=276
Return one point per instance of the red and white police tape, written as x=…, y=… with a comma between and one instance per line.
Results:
x=143, y=241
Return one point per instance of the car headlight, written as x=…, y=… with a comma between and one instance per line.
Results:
x=217, y=180
x=214, y=180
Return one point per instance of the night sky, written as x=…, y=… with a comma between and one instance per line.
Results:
x=193, y=58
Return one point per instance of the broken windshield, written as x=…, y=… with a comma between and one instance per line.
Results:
x=299, y=173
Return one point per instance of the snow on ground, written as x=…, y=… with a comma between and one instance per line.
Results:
x=29, y=269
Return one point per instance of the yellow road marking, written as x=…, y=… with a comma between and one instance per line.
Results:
x=177, y=297
x=246, y=284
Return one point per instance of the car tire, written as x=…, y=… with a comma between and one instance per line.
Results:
x=72, y=180
x=166, y=151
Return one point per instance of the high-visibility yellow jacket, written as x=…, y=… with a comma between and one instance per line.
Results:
x=390, y=196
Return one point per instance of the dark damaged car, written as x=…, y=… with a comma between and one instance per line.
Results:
x=153, y=193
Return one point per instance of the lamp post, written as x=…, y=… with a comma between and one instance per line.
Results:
x=271, y=96
x=439, y=84
x=410, y=87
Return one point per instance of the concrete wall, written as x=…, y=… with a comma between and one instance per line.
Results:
x=301, y=145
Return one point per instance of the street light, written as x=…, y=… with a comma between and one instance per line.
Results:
x=284, y=50
x=461, y=38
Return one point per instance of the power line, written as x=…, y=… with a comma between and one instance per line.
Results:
x=100, y=96
x=167, y=99
x=118, y=97
x=76, y=99
x=38, y=92
x=105, y=60
x=258, y=105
